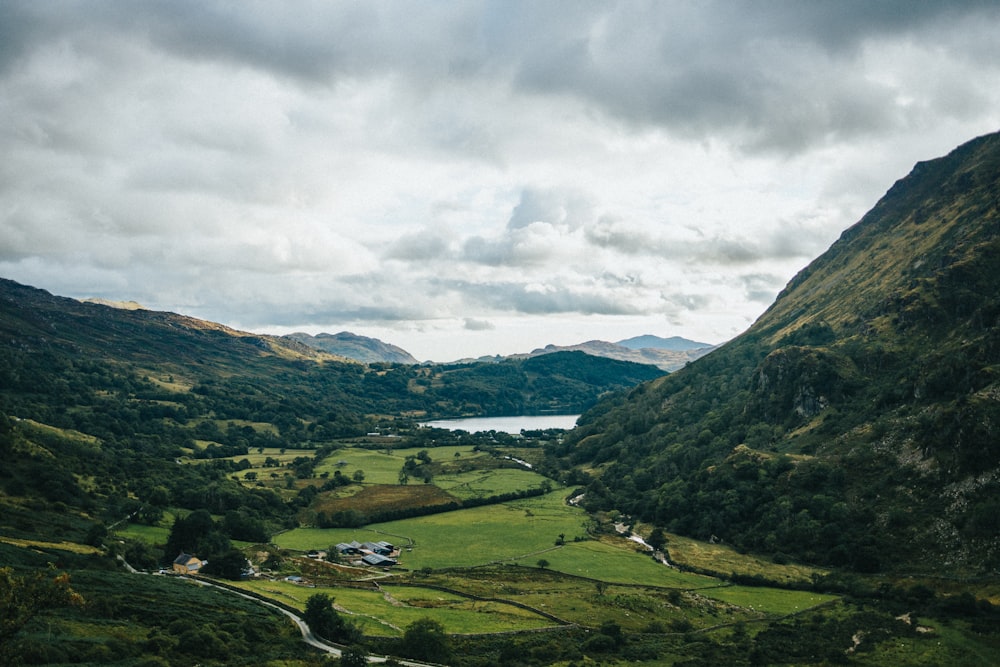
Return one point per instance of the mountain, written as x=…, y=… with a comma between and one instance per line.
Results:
x=856, y=423
x=48, y=343
x=664, y=358
x=352, y=346
x=675, y=343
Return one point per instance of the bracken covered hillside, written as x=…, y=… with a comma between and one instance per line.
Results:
x=857, y=422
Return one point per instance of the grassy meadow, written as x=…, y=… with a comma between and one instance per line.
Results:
x=462, y=538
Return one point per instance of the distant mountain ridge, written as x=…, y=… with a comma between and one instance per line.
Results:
x=642, y=350
x=667, y=354
x=353, y=346
x=675, y=343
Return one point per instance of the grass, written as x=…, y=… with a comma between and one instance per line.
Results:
x=492, y=482
x=378, y=467
x=143, y=533
x=948, y=643
x=72, y=547
x=770, y=601
x=617, y=564
x=388, y=612
x=462, y=538
x=725, y=560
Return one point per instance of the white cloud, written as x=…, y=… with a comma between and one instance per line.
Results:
x=479, y=174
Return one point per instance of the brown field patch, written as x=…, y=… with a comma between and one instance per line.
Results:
x=384, y=497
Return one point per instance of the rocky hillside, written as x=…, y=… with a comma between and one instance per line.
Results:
x=857, y=422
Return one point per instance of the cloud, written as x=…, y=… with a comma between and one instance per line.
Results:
x=468, y=164
x=472, y=324
x=549, y=206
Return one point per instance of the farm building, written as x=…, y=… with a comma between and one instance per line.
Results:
x=348, y=548
x=377, y=560
x=380, y=548
x=187, y=564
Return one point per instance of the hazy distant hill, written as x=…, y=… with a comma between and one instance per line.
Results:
x=675, y=343
x=857, y=422
x=352, y=346
x=674, y=355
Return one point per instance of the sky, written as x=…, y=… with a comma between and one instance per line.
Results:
x=467, y=178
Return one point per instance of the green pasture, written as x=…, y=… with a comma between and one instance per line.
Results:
x=463, y=538
x=442, y=454
x=157, y=534
x=634, y=608
x=620, y=564
x=379, y=467
x=143, y=533
x=485, y=483
x=769, y=601
x=398, y=606
x=389, y=611
x=724, y=559
x=382, y=466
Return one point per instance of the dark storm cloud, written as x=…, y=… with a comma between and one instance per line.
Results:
x=777, y=75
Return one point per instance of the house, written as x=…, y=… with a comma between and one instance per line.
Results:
x=187, y=564
x=346, y=549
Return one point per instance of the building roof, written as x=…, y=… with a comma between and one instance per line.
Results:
x=376, y=559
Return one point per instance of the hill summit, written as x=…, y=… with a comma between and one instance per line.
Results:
x=857, y=422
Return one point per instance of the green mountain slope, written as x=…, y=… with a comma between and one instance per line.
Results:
x=57, y=353
x=857, y=422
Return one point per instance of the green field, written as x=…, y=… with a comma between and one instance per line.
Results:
x=463, y=538
x=389, y=611
x=617, y=563
x=768, y=600
x=485, y=483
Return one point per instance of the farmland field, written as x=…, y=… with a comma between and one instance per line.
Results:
x=493, y=482
x=768, y=600
x=462, y=538
x=388, y=611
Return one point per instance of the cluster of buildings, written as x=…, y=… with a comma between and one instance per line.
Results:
x=376, y=554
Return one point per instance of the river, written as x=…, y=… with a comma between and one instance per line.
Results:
x=513, y=425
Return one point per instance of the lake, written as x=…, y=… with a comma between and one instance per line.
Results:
x=512, y=425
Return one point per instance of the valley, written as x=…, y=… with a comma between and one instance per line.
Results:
x=822, y=489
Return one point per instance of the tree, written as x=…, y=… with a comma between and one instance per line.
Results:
x=425, y=639
x=192, y=534
x=229, y=565
x=359, y=476
x=24, y=597
x=542, y=563
x=354, y=656
x=657, y=539
x=324, y=620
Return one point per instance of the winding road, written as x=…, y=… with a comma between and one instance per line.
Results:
x=307, y=635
